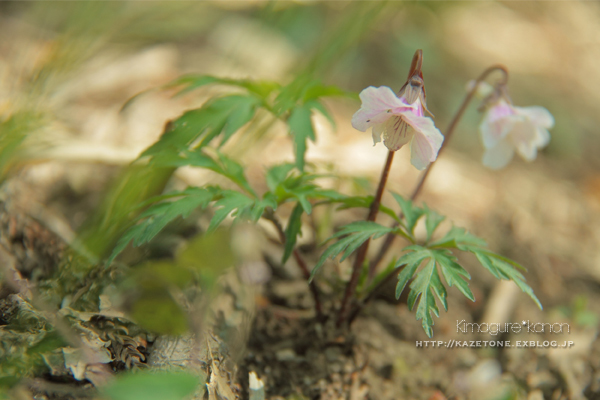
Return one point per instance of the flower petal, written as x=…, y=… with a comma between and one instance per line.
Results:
x=377, y=131
x=523, y=137
x=498, y=156
x=496, y=124
x=538, y=115
x=421, y=152
x=378, y=104
x=397, y=133
x=542, y=137
x=426, y=142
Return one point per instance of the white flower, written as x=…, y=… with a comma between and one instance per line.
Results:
x=400, y=122
x=506, y=129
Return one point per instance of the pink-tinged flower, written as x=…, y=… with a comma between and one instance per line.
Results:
x=401, y=120
x=506, y=129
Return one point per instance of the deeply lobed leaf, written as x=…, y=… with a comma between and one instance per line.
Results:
x=240, y=206
x=410, y=211
x=292, y=231
x=156, y=217
x=200, y=126
x=427, y=281
x=499, y=266
x=192, y=82
x=301, y=129
x=352, y=236
x=461, y=239
x=364, y=202
x=286, y=184
x=502, y=268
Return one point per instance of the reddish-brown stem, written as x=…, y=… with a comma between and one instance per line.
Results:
x=362, y=250
x=312, y=286
x=389, y=239
x=301, y=263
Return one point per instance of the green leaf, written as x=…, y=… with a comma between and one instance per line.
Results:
x=231, y=202
x=192, y=82
x=454, y=273
x=499, y=266
x=277, y=174
x=503, y=268
x=153, y=386
x=301, y=129
x=427, y=281
x=241, y=114
x=156, y=217
x=412, y=261
x=225, y=166
x=241, y=206
x=180, y=133
x=354, y=235
x=411, y=213
x=304, y=90
x=198, y=127
x=259, y=207
x=460, y=239
x=191, y=158
x=299, y=187
x=291, y=94
x=292, y=231
x=234, y=171
x=316, y=105
x=316, y=90
x=364, y=202
x=234, y=111
x=432, y=221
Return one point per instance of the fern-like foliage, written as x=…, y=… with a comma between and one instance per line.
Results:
x=166, y=209
x=427, y=281
x=352, y=236
x=426, y=266
x=287, y=183
x=426, y=263
x=187, y=142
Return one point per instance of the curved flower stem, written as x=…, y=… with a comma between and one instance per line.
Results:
x=362, y=250
x=389, y=239
x=458, y=116
x=301, y=263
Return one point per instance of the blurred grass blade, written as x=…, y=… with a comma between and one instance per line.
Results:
x=13, y=132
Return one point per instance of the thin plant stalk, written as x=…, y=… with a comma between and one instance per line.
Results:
x=362, y=251
x=415, y=70
x=389, y=239
x=301, y=264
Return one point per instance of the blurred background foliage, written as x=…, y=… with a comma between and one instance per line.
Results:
x=550, y=48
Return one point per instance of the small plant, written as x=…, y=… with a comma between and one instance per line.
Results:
x=426, y=266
